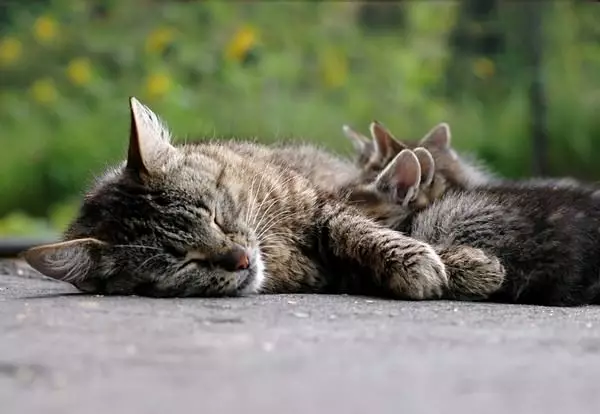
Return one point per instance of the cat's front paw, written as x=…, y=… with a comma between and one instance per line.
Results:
x=472, y=274
x=419, y=273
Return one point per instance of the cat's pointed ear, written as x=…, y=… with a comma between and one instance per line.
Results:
x=427, y=165
x=438, y=137
x=360, y=143
x=149, y=138
x=386, y=145
x=70, y=261
x=401, y=178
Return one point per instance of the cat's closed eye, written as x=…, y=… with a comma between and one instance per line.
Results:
x=207, y=208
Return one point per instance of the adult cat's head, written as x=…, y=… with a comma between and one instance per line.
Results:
x=164, y=223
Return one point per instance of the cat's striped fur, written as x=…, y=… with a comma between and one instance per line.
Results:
x=230, y=218
x=545, y=237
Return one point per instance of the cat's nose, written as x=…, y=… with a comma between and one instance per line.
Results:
x=235, y=259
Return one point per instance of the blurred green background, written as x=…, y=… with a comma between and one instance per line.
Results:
x=287, y=69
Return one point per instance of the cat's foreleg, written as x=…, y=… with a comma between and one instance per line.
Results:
x=404, y=267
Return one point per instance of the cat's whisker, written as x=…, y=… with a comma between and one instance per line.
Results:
x=264, y=214
x=273, y=221
x=147, y=261
x=257, y=207
x=271, y=224
x=257, y=204
x=275, y=240
x=250, y=200
x=137, y=246
x=274, y=243
x=272, y=202
x=269, y=246
x=268, y=209
x=279, y=236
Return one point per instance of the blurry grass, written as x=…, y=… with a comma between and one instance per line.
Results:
x=292, y=69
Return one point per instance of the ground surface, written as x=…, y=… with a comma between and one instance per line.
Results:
x=62, y=352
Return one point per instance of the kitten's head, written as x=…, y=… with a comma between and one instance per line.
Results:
x=164, y=223
x=374, y=154
x=403, y=187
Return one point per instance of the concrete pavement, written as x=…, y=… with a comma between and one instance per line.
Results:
x=62, y=352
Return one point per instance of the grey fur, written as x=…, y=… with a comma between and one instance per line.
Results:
x=541, y=238
x=231, y=218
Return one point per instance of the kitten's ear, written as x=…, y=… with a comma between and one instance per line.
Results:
x=386, y=145
x=68, y=261
x=360, y=143
x=427, y=165
x=439, y=137
x=149, y=138
x=401, y=178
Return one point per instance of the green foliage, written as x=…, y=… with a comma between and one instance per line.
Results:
x=272, y=70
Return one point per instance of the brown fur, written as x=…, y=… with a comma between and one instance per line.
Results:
x=535, y=241
x=397, y=196
x=230, y=218
x=451, y=170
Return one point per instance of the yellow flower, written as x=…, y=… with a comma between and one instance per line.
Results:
x=79, y=71
x=44, y=91
x=159, y=39
x=158, y=84
x=45, y=29
x=334, y=68
x=484, y=68
x=10, y=51
x=241, y=43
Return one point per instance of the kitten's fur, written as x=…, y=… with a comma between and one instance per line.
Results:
x=453, y=170
x=546, y=237
x=227, y=218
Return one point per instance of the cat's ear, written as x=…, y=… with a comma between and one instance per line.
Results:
x=438, y=137
x=70, y=261
x=427, y=165
x=149, y=138
x=361, y=144
x=401, y=178
x=386, y=145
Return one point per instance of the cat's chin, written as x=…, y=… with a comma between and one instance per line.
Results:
x=257, y=274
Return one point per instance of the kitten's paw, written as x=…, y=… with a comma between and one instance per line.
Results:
x=472, y=274
x=420, y=273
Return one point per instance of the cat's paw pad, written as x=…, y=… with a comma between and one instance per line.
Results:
x=421, y=273
x=472, y=273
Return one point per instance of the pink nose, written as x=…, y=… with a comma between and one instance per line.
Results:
x=234, y=259
x=243, y=261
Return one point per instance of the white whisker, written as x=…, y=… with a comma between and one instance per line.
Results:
x=137, y=246
x=145, y=262
x=273, y=221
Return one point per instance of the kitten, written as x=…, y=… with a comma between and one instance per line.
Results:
x=229, y=218
x=452, y=170
x=546, y=237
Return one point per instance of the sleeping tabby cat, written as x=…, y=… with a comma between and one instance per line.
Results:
x=547, y=237
x=230, y=218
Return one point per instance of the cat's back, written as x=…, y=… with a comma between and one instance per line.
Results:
x=322, y=168
x=516, y=216
x=540, y=201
